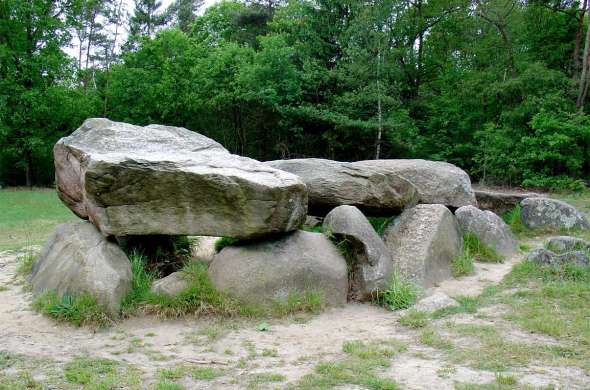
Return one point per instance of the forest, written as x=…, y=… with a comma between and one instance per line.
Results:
x=497, y=87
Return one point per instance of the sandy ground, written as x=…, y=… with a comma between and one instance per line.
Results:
x=291, y=347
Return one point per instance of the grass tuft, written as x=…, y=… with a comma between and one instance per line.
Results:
x=26, y=262
x=78, y=310
x=401, y=293
x=463, y=265
x=380, y=223
x=479, y=250
x=513, y=219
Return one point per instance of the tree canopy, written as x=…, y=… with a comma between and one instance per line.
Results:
x=497, y=87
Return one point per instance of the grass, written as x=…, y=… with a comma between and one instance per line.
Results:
x=225, y=241
x=400, y=293
x=27, y=217
x=100, y=374
x=360, y=367
x=25, y=263
x=512, y=219
x=433, y=339
x=78, y=310
x=259, y=379
x=414, y=319
x=203, y=299
x=479, y=250
x=463, y=264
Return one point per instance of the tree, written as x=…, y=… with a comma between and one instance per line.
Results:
x=182, y=13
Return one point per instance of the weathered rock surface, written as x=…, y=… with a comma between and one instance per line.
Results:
x=133, y=180
x=333, y=183
x=436, y=182
x=263, y=272
x=203, y=248
x=560, y=244
x=500, y=201
x=373, y=265
x=170, y=285
x=438, y=300
x=424, y=242
x=547, y=257
x=551, y=213
x=488, y=227
x=78, y=259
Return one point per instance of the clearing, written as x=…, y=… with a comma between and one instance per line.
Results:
x=518, y=327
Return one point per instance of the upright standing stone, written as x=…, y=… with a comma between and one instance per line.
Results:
x=372, y=263
x=488, y=227
x=133, y=180
x=424, y=242
x=266, y=271
x=78, y=259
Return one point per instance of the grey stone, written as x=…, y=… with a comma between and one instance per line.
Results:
x=500, y=201
x=547, y=257
x=78, y=259
x=265, y=271
x=423, y=243
x=551, y=213
x=170, y=285
x=488, y=227
x=373, y=265
x=133, y=180
x=562, y=244
x=203, y=248
x=434, y=302
x=436, y=182
x=333, y=183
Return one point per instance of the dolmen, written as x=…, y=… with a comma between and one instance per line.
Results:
x=130, y=183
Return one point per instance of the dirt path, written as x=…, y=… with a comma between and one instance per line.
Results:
x=291, y=347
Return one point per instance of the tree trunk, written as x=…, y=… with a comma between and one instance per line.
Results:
x=29, y=168
x=379, y=112
x=583, y=85
x=578, y=44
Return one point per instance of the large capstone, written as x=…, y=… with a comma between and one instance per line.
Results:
x=333, y=183
x=269, y=271
x=78, y=259
x=372, y=263
x=551, y=213
x=500, y=201
x=436, y=182
x=424, y=242
x=488, y=228
x=133, y=180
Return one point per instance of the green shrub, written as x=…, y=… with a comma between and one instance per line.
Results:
x=399, y=294
x=78, y=310
x=480, y=251
x=463, y=264
x=555, y=183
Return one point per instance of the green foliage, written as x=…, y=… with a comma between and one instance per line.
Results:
x=463, y=264
x=79, y=310
x=304, y=78
x=380, y=223
x=400, y=293
x=473, y=246
x=99, y=373
x=225, y=241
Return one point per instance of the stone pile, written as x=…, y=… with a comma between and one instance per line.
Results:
x=130, y=183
